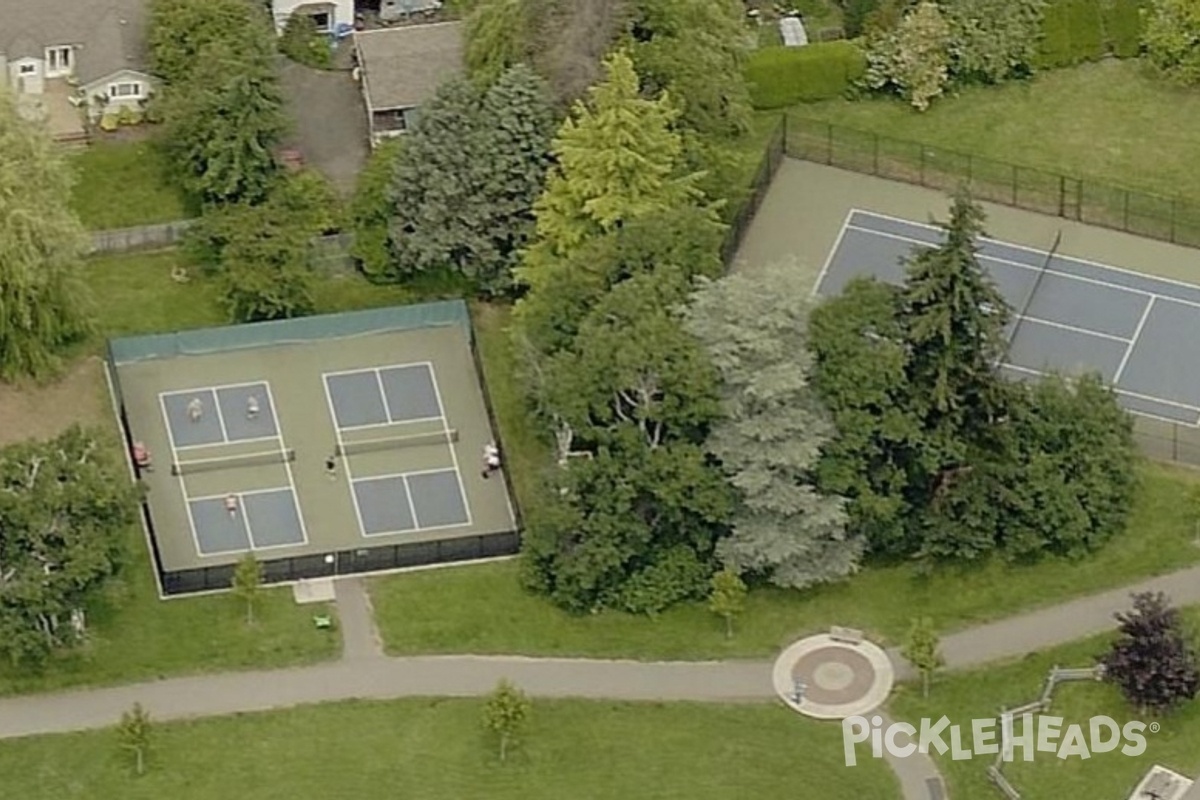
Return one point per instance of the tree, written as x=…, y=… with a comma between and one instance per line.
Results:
x=993, y=40
x=1172, y=38
x=45, y=303
x=506, y=713
x=922, y=649
x=134, y=732
x=63, y=514
x=772, y=430
x=499, y=35
x=695, y=50
x=247, y=581
x=467, y=178
x=727, y=598
x=914, y=58
x=1152, y=662
x=179, y=32
x=224, y=122
x=371, y=210
x=304, y=44
x=617, y=158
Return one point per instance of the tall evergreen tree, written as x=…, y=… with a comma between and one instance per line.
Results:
x=43, y=303
x=772, y=431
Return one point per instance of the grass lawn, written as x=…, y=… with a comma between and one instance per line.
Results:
x=125, y=184
x=437, y=750
x=979, y=693
x=481, y=609
x=1109, y=121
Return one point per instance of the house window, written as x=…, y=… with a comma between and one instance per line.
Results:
x=28, y=69
x=58, y=61
x=322, y=21
x=133, y=89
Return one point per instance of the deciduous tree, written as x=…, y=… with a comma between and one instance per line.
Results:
x=993, y=40
x=506, y=713
x=772, y=430
x=134, y=732
x=922, y=649
x=913, y=59
x=63, y=513
x=44, y=306
x=1172, y=38
x=1152, y=662
x=727, y=597
x=179, y=32
x=371, y=210
x=247, y=581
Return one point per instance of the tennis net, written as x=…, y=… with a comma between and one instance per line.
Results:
x=1037, y=282
x=395, y=442
x=246, y=460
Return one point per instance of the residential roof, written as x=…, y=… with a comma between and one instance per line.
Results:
x=403, y=67
x=110, y=34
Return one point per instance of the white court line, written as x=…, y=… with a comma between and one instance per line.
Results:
x=247, y=493
x=1133, y=273
x=1137, y=334
x=837, y=245
x=382, y=395
x=462, y=490
x=390, y=424
x=387, y=407
x=412, y=508
x=287, y=465
x=341, y=446
x=390, y=475
x=215, y=388
x=1160, y=401
x=221, y=416
x=1074, y=329
x=365, y=370
x=162, y=404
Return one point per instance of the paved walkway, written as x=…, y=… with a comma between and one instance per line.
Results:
x=364, y=672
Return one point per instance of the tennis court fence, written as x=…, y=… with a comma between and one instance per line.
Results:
x=1163, y=440
x=1087, y=200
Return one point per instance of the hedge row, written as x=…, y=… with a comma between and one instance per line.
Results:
x=784, y=76
x=1074, y=31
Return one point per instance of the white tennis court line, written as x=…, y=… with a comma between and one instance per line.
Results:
x=837, y=245
x=244, y=519
x=287, y=465
x=162, y=405
x=1073, y=329
x=341, y=447
x=390, y=424
x=1134, y=395
x=232, y=441
x=404, y=476
x=1137, y=334
x=247, y=493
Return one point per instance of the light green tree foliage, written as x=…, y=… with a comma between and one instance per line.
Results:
x=64, y=511
x=371, y=210
x=727, y=598
x=134, y=731
x=922, y=648
x=617, y=158
x=993, y=40
x=467, y=178
x=1172, y=38
x=914, y=58
x=499, y=35
x=247, y=581
x=44, y=305
x=772, y=430
x=180, y=30
x=694, y=50
x=506, y=713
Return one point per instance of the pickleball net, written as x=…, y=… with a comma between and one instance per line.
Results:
x=228, y=462
x=396, y=442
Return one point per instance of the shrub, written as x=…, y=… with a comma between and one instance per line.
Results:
x=1087, y=30
x=304, y=44
x=1172, y=39
x=914, y=59
x=784, y=76
x=1055, y=50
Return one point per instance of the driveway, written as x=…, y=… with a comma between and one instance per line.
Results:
x=329, y=121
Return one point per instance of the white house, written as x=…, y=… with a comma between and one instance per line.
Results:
x=327, y=15
x=70, y=57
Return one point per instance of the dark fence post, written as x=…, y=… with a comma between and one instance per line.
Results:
x=875, y=142
x=1174, y=206
x=1125, y=223
x=1062, y=195
x=1079, y=199
x=829, y=143
x=922, y=148
x=785, y=131
x=1014, y=184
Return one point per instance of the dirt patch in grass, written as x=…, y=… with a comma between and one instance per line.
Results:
x=41, y=411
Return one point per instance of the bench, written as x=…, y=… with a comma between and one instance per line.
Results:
x=846, y=635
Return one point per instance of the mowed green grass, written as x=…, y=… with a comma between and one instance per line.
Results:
x=482, y=609
x=126, y=184
x=438, y=750
x=1111, y=121
x=978, y=694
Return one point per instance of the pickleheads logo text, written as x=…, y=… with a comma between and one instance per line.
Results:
x=984, y=737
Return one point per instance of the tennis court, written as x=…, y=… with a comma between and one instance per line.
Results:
x=328, y=445
x=1075, y=315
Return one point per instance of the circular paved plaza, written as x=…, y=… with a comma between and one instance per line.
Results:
x=825, y=678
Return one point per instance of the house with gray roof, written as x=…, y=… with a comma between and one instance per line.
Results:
x=401, y=68
x=75, y=58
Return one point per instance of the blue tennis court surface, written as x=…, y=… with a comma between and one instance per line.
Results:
x=1133, y=329
x=224, y=414
x=383, y=396
x=263, y=519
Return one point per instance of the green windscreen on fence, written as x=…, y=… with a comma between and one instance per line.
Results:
x=304, y=329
